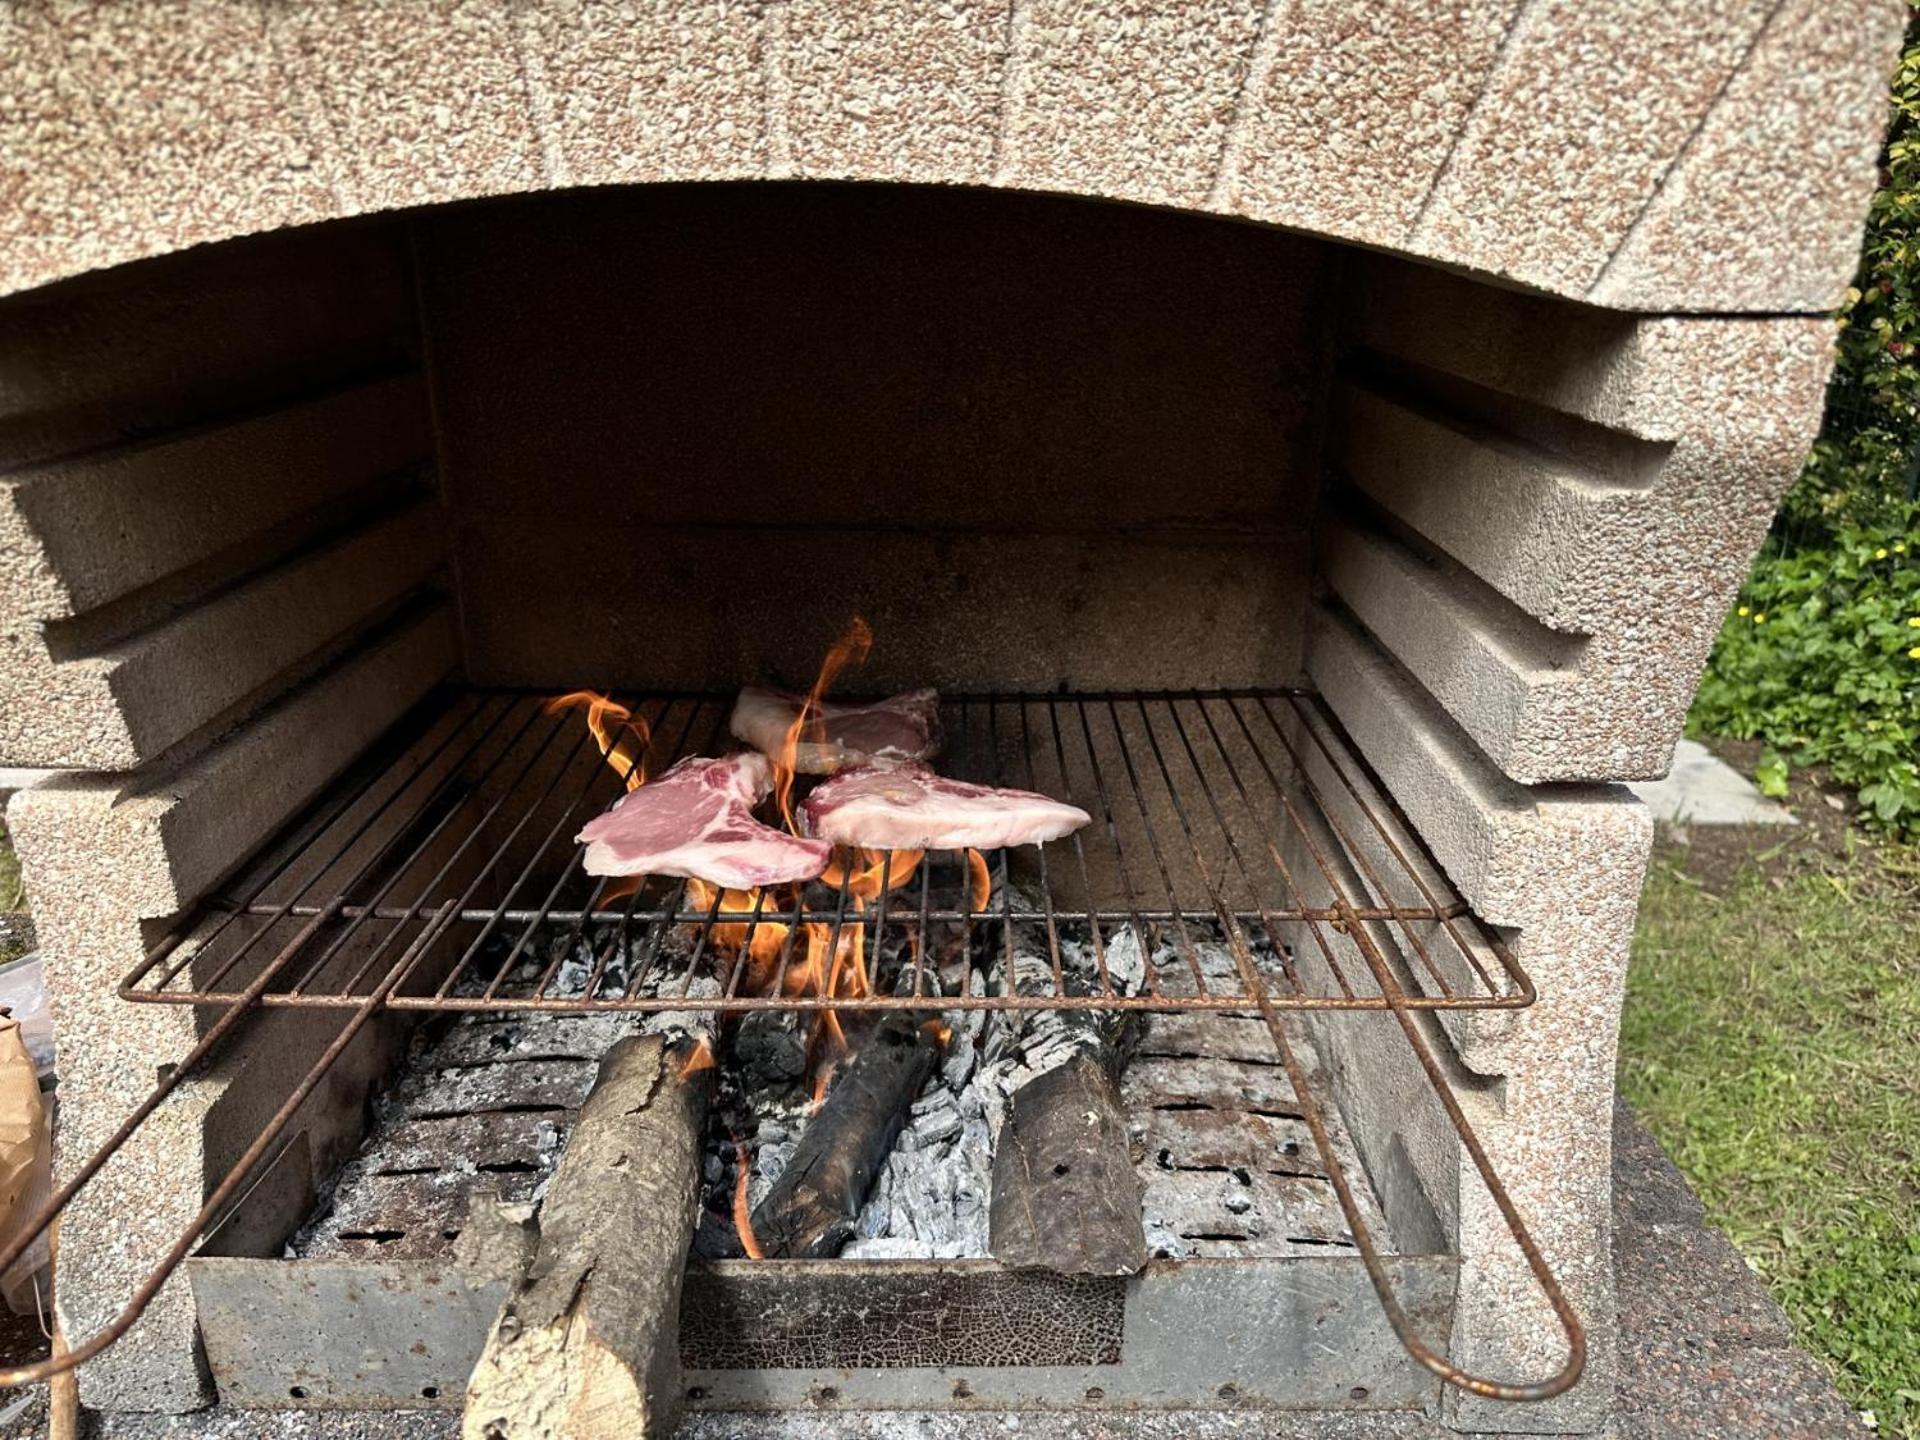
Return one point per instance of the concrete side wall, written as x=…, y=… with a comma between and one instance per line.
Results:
x=210, y=472
x=1595, y=151
x=1558, y=873
x=688, y=432
x=1543, y=511
x=110, y=855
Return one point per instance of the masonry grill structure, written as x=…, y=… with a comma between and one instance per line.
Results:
x=1340, y=517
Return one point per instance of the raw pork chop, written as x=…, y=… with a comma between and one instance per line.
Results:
x=697, y=820
x=906, y=727
x=903, y=805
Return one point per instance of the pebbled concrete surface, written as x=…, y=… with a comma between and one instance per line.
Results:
x=1704, y=1353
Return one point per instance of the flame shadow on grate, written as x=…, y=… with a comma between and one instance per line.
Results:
x=442, y=875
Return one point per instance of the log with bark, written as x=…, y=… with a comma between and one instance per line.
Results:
x=587, y=1342
x=1066, y=1197
x=810, y=1211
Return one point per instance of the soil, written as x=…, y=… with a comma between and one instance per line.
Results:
x=1827, y=836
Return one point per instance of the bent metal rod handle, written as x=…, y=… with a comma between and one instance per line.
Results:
x=242, y=1169
x=1569, y=1373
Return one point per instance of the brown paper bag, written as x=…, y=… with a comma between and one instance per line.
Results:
x=26, y=1149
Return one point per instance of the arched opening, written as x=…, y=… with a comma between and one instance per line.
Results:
x=273, y=495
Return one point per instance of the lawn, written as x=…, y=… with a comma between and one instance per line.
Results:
x=1772, y=1043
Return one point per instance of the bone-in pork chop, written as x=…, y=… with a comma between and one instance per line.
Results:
x=904, y=805
x=905, y=727
x=697, y=820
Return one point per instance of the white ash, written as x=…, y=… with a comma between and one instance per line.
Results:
x=933, y=1198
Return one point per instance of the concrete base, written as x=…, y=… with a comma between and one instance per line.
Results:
x=1703, y=1351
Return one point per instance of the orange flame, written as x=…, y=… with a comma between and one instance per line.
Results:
x=742, y=1212
x=865, y=872
x=607, y=718
x=700, y=1059
x=820, y=1084
x=850, y=649
x=980, y=888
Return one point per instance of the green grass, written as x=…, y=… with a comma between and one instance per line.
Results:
x=1772, y=1043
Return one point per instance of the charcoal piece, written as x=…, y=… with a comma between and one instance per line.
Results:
x=810, y=1211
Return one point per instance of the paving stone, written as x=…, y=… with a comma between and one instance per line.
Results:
x=1702, y=789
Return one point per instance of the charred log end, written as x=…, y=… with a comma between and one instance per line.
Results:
x=587, y=1342
x=810, y=1212
x=1065, y=1195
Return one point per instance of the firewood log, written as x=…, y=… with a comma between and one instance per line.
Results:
x=587, y=1343
x=810, y=1211
x=1065, y=1194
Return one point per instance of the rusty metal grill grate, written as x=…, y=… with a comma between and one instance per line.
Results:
x=1227, y=826
x=1238, y=844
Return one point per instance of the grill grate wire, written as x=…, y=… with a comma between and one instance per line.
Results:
x=1237, y=840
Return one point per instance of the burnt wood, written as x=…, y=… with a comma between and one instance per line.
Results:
x=1066, y=1197
x=810, y=1212
x=587, y=1343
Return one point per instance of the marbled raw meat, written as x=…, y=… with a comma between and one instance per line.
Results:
x=697, y=820
x=904, y=805
x=904, y=727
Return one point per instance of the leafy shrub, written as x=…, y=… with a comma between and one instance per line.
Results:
x=1821, y=659
x=1862, y=472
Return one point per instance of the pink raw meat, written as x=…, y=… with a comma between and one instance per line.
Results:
x=697, y=820
x=905, y=727
x=903, y=805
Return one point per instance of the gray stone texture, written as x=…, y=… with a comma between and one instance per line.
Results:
x=1702, y=789
x=659, y=90
x=1785, y=142
x=894, y=90
x=1356, y=113
x=1125, y=98
x=118, y=854
x=1581, y=115
x=1524, y=142
x=1701, y=1355
x=178, y=500
x=1019, y=451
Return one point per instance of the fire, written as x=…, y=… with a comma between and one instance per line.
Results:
x=980, y=886
x=743, y=1212
x=820, y=1084
x=700, y=1059
x=607, y=719
x=850, y=649
x=822, y=961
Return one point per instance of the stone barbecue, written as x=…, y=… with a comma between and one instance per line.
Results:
x=1320, y=441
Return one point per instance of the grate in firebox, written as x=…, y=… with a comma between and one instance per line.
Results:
x=1241, y=859
x=1235, y=836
